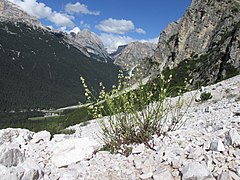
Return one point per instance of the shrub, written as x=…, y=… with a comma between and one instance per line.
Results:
x=205, y=96
x=135, y=115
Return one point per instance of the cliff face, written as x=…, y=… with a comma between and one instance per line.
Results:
x=118, y=51
x=133, y=54
x=207, y=37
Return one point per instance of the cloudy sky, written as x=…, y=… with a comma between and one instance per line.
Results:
x=116, y=22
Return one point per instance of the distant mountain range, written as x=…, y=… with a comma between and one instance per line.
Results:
x=40, y=68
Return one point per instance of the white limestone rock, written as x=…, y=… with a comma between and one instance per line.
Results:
x=148, y=166
x=238, y=171
x=162, y=174
x=146, y=176
x=18, y=136
x=73, y=151
x=60, y=137
x=208, y=109
x=138, y=162
x=195, y=153
x=3, y=170
x=41, y=136
x=224, y=176
x=138, y=149
x=69, y=174
x=217, y=146
x=232, y=138
x=195, y=170
x=30, y=170
x=10, y=156
x=10, y=175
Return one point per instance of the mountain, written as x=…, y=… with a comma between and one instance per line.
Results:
x=92, y=44
x=39, y=69
x=118, y=51
x=129, y=56
x=203, y=45
x=11, y=12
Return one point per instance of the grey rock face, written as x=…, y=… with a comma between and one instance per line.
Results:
x=89, y=42
x=133, y=54
x=209, y=28
x=118, y=51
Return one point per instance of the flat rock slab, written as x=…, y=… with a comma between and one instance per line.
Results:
x=195, y=170
x=73, y=151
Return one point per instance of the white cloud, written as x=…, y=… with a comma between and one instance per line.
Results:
x=153, y=40
x=61, y=19
x=80, y=9
x=41, y=11
x=116, y=26
x=111, y=42
x=84, y=25
x=140, y=31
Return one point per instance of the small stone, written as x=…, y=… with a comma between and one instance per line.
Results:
x=236, y=154
x=138, y=149
x=41, y=136
x=195, y=153
x=195, y=170
x=224, y=176
x=232, y=138
x=148, y=166
x=234, y=175
x=217, y=146
x=146, y=176
x=138, y=163
x=176, y=163
x=162, y=174
x=208, y=109
x=232, y=165
x=238, y=171
x=69, y=174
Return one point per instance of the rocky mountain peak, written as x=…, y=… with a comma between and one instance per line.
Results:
x=91, y=42
x=13, y=13
x=133, y=54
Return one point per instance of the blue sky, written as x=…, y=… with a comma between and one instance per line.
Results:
x=115, y=21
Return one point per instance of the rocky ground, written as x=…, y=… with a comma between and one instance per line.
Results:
x=206, y=147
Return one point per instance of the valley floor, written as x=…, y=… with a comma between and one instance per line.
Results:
x=206, y=147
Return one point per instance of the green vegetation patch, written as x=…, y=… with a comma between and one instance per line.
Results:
x=205, y=96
